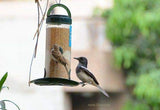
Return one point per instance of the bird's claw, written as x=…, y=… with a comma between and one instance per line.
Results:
x=83, y=84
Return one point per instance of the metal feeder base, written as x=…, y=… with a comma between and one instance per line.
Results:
x=54, y=81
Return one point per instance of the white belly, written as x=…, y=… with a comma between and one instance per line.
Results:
x=54, y=58
x=85, y=78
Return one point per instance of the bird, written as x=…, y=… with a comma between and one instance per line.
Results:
x=57, y=56
x=85, y=75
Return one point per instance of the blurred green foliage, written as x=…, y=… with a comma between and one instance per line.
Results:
x=135, y=105
x=148, y=87
x=133, y=27
x=100, y=12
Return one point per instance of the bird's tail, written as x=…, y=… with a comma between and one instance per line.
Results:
x=103, y=91
x=66, y=68
x=67, y=71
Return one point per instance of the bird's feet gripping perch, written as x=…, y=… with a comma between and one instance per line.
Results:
x=83, y=84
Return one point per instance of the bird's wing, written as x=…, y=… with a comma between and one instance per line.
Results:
x=63, y=60
x=59, y=57
x=84, y=69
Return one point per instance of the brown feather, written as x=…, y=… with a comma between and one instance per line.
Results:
x=58, y=56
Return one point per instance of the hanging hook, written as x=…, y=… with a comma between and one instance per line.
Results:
x=59, y=1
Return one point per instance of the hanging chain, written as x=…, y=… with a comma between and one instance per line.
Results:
x=40, y=23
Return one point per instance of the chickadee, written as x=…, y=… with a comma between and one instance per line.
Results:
x=57, y=56
x=85, y=75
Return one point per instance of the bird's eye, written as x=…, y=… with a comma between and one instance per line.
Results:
x=81, y=59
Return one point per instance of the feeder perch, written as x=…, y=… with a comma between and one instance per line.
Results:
x=58, y=50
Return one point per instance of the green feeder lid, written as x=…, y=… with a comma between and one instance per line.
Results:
x=59, y=19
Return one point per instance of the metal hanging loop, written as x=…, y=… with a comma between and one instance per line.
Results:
x=59, y=5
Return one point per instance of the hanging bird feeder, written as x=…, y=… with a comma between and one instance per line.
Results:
x=58, y=49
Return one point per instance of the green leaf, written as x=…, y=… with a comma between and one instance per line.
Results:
x=133, y=105
x=3, y=80
x=148, y=87
x=131, y=79
x=124, y=56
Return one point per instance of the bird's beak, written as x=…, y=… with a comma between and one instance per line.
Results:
x=76, y=58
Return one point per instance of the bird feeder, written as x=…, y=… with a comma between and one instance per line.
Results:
x=58, y=49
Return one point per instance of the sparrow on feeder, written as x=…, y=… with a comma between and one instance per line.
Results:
x=57, y=56
x=85, y=75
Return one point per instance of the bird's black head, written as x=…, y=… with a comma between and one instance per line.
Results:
x=82, y=60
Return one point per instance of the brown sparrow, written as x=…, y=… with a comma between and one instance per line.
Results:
x=57, y=56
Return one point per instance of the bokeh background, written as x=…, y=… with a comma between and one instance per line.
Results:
x=120, y=38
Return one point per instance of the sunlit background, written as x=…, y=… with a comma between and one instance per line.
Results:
x=120, y=38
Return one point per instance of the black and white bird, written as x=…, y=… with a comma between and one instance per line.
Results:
x=85, y=75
